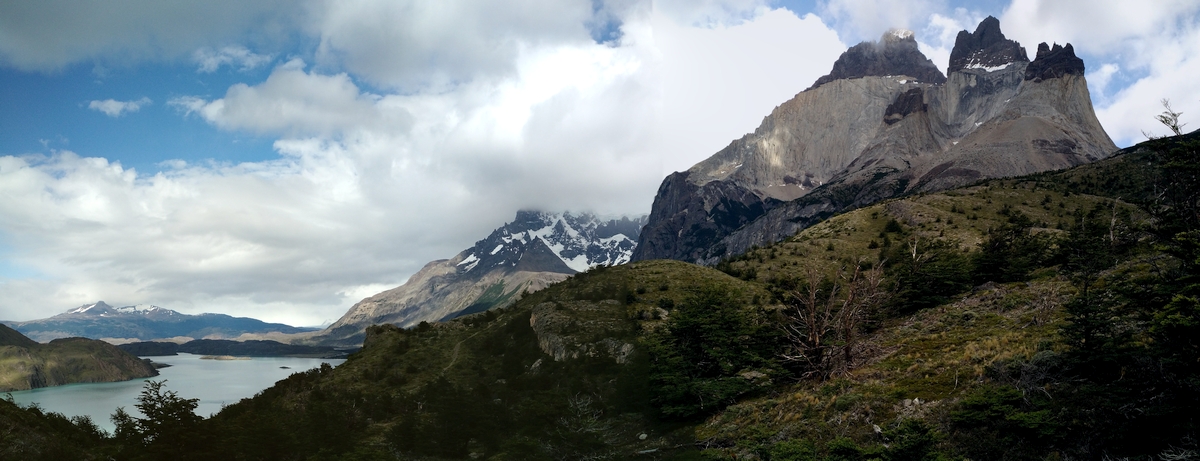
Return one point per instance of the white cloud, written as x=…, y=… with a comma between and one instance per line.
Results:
x=861, y=20
x=114, y=108
x=416, y=44
x=718, y=83
x=243, y=59
x=294, y=102
x=1153, y=52
x=369, y=187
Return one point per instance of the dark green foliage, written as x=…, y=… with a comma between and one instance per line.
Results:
x=1011, y=251
x=926, y=273
x=698, y=360
x=893, y=227
x=998, y=422
x=169, y=428
x=28, y=433
x=793, y=450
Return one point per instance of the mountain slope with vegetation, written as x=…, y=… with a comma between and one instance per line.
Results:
x=26, y=364
x=1051, y=316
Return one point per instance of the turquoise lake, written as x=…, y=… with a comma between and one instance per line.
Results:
x=215, y=382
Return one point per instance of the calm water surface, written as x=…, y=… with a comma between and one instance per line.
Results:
x=214, y=382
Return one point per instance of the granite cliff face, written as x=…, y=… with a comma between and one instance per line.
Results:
x=533, y=251
x=848, y=142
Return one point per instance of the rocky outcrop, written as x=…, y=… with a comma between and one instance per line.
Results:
x=854, y=141
x=562, y=336
x=690, y=218
x=30, y=365
x=532, y=252
x=1056, y=62
x=895, y=53
x=986, y=48
x=907, y=103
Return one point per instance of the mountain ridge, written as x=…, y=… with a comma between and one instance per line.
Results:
x=99, y=320
x=854, y=141
x=27, y=364
x=534, y=250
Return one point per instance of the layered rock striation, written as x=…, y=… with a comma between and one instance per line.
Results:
x=848, y=142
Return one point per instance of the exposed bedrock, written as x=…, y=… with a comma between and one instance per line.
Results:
x=876, y=134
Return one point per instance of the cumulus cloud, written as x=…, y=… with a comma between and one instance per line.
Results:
x=418, y=44
x=719, y=82
x=372, y=184
x=293, y=102
x=209, y=60
x=114, y=108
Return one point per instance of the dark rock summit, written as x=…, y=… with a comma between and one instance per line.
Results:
x=673, y=230
x=985, y=48
x=1054, y=63
x=884, y=123
x=895, y=53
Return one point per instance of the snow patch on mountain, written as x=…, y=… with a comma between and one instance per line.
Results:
x=581, y=241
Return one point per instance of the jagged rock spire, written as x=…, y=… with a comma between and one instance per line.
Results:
x=1054, y=63
x=985, y=48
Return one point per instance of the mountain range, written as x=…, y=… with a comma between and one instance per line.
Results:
x=922, y=311
x=883, y=123
x=533, y=251
x=143, y=322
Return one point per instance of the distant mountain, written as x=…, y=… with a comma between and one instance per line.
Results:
x=143, y=322
x=533, y=251
x=884, y=123
x=27, y=364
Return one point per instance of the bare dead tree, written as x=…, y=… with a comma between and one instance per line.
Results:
x=864, y=293
x=811, y=321
x=824, y=317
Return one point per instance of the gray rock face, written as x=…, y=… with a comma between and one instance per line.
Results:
x=533, y=251
x=895, y=53
x=852, y=142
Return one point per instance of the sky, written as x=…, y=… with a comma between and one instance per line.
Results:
x=284, y=159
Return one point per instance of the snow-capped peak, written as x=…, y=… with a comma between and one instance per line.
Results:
x=900, y=34
x=580, y=241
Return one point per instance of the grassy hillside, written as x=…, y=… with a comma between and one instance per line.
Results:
x=1046, y=317
x=25, y=364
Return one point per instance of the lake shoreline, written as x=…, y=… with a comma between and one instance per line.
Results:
x=215, y=383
